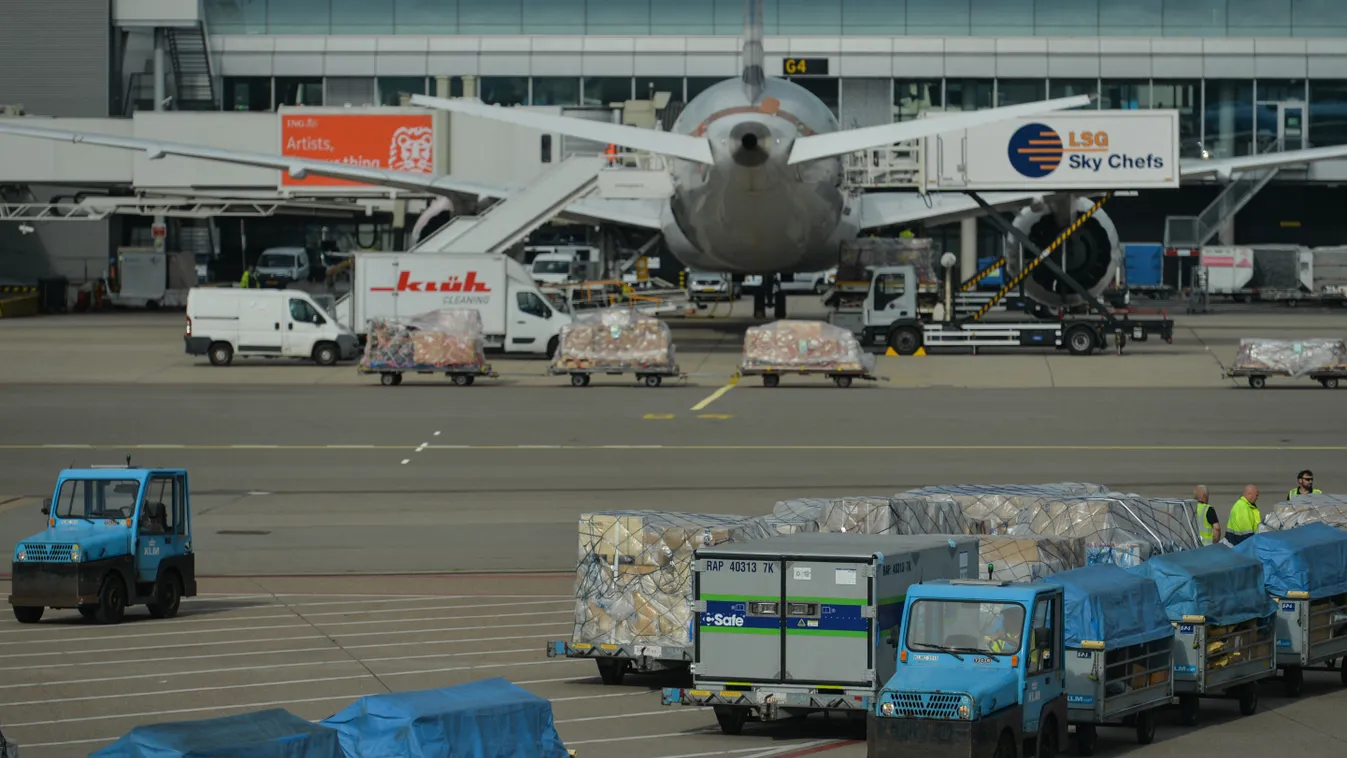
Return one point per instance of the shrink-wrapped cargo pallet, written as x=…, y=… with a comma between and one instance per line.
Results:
x=1027, y=559
x=633, y=583
x=1306, y=509
x=1121, y=529
x=857, y=255
x=804, y=346
x=1293, y=358
x=882, y=515
x=999, y=505
x=617, y=339
x=450, y=338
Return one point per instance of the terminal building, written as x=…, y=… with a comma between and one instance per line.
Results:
x=1247, y=76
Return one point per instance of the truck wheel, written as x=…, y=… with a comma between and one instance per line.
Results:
x=731, y=720
x=552, y=345
x=905, y=340
x=1188, y=707
x=28, y=614
x=325, y=354
x=1248, y=699
x=1087, y=739
x=221, y=354
x=111, y=601
x=1080, y=340
x=611, y=671
x=167, y=597
x=1294, y=679
x=1145, y=727
x=1047, y=740
x=1005, y=747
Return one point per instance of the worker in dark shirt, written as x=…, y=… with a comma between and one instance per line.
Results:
x=1208, y=525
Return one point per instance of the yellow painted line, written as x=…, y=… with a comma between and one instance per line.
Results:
x=714, y=415
x=659, y=416
x=714, y=396
x=803, y=448
x=7, y=504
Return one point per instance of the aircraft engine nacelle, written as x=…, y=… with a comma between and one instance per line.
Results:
x=1092, y=253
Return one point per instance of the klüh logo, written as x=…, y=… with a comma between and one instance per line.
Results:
x=1035, y=150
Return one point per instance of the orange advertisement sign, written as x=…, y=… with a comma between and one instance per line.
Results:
x=400, y=142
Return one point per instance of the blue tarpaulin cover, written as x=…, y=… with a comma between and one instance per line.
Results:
x=1105, y=603
x=1213, y=581
x=1310, y=558
x=274, y=733
x=488, y=719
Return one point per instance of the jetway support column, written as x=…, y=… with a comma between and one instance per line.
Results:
x=159, y=83
x=968, y=248
x=442, y=86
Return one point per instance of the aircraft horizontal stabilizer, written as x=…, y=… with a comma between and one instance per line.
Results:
x=687, y=147
x=833, y=144
x=298, y=167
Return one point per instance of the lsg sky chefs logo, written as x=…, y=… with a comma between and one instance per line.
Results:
x=1037, y=150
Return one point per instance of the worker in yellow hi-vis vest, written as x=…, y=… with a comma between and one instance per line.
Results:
x=1304, y=485
x=1244, y=517
x=1209, y=527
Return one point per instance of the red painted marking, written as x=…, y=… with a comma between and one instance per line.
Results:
x=820, y=749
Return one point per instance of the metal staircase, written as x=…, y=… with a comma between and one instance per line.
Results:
x=1192, y=232
x=193, y=77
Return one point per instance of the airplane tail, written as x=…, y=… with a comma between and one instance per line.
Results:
x=755, y=78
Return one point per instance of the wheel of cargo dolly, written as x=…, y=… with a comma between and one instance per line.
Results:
x=1258, y=382
x=1330, y=383
x=579, y=380
x=28, y=614
x=652, y=381
x=1248, y=699
x=770, y=380
x=731, y=720
x=1145, y=727
x=842, y=381
x=461, y=380
x=1188, y=707
x=1293, y=677
x=1087, y=739
x=111, y=600
x=388, y=379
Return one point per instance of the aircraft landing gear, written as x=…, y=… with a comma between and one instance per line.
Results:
x=769, y=294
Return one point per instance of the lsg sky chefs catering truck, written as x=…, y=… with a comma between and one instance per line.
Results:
x=516, y=317
x=805, y=622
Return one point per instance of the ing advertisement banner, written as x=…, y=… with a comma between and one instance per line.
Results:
x=398, y=142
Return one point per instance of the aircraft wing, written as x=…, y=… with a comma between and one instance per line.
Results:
x=1195, y=167
x=297, y=167
x=687, y=147
x=833, y=144
x=889, y=208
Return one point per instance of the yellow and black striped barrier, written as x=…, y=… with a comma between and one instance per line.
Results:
x=1029, y=267
x=983, y=274
x=14, y=289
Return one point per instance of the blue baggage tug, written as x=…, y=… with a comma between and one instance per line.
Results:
x=1119, y=652
x=1224, y=625
x=1305, y=573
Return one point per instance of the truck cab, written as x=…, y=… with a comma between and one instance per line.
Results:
x=882, y=309
x=979, y=673
x=114, y=537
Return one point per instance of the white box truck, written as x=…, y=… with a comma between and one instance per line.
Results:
x=516, y=316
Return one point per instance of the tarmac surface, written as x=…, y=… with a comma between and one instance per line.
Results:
x=324, y=476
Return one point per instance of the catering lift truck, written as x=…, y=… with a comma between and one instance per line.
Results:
x=888, y=314
x=115, y=537
x=955, y=693
x=803, y=623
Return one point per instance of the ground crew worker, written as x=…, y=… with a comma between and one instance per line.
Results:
x=244, y=281
x=1207, y=524
x=1007, y=638
x=1305, y=485
x=1244, y=517
x=611, y=152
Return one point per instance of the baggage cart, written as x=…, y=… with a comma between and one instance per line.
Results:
x=461, y=376
x=614, y=661
x=799, y=623
x=650, y=376
x=1119, y=652
x=1258, y=377
x=771, y=375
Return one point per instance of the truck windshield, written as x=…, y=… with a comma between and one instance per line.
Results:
x=551, y=267
x=97, y=499
x=276, y=260
x=965, y=626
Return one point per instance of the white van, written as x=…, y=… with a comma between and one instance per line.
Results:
x=284, y=263
x=226, y=322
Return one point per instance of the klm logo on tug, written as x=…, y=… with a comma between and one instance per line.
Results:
x=1038, y=150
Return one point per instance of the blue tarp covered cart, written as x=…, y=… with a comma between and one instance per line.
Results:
x=1119, y=651
x=274, y=733
x=1223, y=624
x=1305, y=573
x=488, y=719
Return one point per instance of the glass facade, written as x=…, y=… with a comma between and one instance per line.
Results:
x=1226, y=117
x=869, y=18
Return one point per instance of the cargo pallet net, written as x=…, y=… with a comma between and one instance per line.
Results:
x=1307, y=509
x=446, y=339
x=615, y=339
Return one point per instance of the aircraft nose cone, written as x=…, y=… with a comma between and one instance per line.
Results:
x=749, y=141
